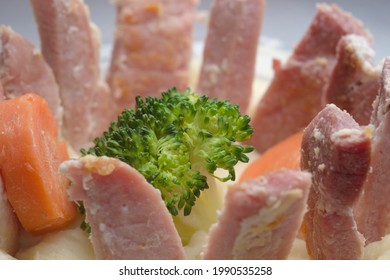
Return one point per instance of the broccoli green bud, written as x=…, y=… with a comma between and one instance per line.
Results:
x=171, y=139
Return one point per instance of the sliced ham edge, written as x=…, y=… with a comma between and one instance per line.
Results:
x=294, y=96
x=23, y=69
x=261, y=217
x=373, y=210
x=127, y=215
x=152, y=48
x=70, y=44
x=354, y=82
x=336, y=150
x=229, y=56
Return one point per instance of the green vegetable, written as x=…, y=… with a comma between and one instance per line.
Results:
x=174, y=140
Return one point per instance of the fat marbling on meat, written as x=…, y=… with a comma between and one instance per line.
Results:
x=336, y=151
x=294, y=96
x=23, y=69
x=127, y=215
x=260, y=218
x=354, y=82
x=70, y=44
x=230, y=50
x=152, y=48
x=373, y=210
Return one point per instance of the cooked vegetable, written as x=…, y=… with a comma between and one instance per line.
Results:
x=29, y=160
x=175, y=141
x=285, y=154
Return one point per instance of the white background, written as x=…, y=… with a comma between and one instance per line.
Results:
x=302, y=270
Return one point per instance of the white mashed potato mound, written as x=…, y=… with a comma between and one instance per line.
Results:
x=195, y=247
x=69, y=244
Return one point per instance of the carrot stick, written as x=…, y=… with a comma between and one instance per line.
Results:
x=30, y=154
x=285, y=154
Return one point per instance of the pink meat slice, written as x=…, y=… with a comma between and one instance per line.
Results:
x=354, y=82
x=336, y=151
x=294, y=96
x=229, y=56
x=127, y=215
x=152, y=48
x=261, y=217
x=9, y=225
x=24, y=70
x=70, y=44
x=373, y=210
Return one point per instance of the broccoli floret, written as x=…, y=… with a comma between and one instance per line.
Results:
x=171, y=141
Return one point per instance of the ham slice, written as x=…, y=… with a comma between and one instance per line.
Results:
x=70, y=44
x=152, y=48
x=260, y=218
x=230, y=50
x=9, y=225
x=294, y=96
x=127, y=215
x=354, y=82
x=337, y=153
x=373, y=210
x=23, y=70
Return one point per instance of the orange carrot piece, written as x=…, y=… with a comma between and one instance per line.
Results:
x=30, y=154
x=285, y=154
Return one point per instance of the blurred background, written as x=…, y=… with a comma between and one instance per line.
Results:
x=285, y=20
